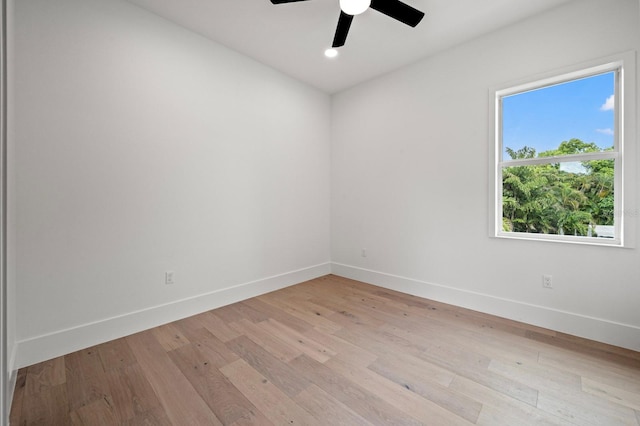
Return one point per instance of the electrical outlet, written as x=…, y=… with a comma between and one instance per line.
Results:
x=168, y=278
x=547, y=281
x=364, y=252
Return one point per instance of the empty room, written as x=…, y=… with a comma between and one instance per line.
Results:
x=323, y=212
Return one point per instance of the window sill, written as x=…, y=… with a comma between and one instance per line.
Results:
x=567, y=239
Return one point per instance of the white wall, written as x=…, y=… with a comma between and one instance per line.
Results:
x=143, y=148
x=410, y=173
x=139, y=147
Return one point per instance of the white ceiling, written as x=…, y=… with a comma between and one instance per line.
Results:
x=293, y=37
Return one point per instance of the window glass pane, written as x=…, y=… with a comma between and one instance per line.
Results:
x=535, y=122
x=567, y=198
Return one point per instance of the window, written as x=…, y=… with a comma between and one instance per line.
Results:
x=558, y=160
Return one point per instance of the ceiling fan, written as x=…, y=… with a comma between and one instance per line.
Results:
x=349, y=8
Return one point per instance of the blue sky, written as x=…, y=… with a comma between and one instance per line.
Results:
x=543, y=118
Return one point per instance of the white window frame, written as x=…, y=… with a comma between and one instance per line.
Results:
x=624, y=153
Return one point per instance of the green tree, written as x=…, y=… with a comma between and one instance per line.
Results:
x=547, y=199
x=572, y=146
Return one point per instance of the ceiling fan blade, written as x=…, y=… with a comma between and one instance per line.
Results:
x=284, y=1
x=344, y=23
x=399, y=11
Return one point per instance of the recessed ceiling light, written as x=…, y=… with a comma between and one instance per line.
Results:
x=331, y=53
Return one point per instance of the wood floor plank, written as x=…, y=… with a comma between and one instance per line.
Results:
x=224, y=399
x=246, y=311
x=155, y=417
x=170, y=336
x=50, y=406
x=494, y=416
x=279, y=315
x=437, y=338
x=372, y=407
x=595, y=352
x=495, y=347
x=330, y=301
x=590, y=346
x=239, y=311
x=270, y=400
x=217, y=326
x=323, y=406
x=193, y=329
x=309, y=313
x=447, y=353
x=271, y=343
x=579, y=404
x=500, y=408
x=100, y=412
x=451, y=316
x=216, y=351
x=297, y=340
x=467, y=319
x=311, y=309
x=86, y=380
x=131, y=392
x=344, y=350
x=505, y=385
x=611, y=393
x=304, y=290
x=571, y=407
x=336, y=351
x=349, y=316
x=42, y=376
x=400, y=366
x=378, y=341
x=389, y=312
x=596, y=369
x=179, y=399
x=256, y=419
x=454, y=359
x=536, y=376
x=115, y=354
x=437, y=393
x=18, y=397
x=444, y=411
x=561, y=394
x=278, y=372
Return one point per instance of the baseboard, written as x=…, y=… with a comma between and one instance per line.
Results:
x=42, y=348
x=601, y=330
x=11, y=388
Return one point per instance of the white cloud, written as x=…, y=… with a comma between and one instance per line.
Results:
x=605, y=131
x=608, y=104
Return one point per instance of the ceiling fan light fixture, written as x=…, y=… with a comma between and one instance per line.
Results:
x=354, y=7
x=331, y=53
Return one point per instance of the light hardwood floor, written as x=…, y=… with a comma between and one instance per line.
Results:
x=333, y=351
